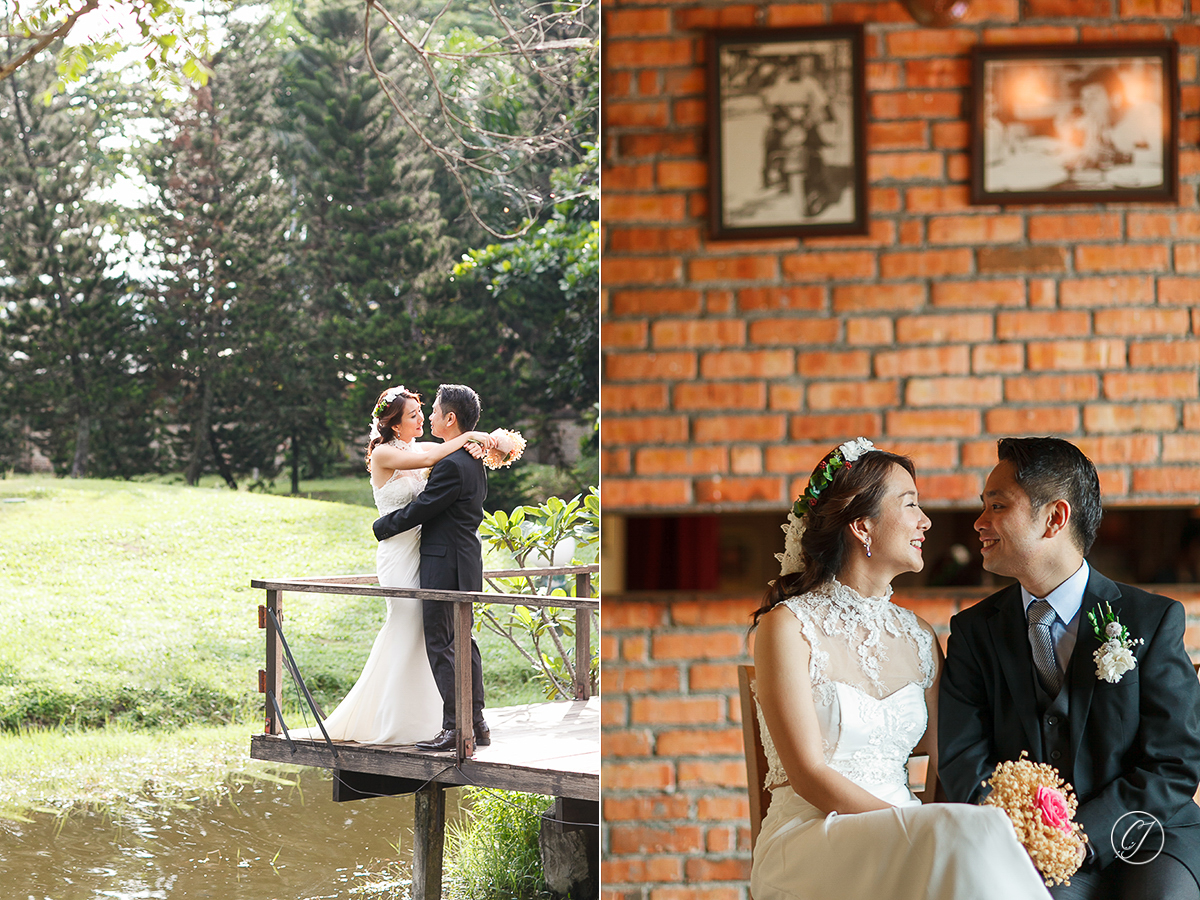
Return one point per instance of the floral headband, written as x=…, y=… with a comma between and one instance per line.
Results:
x=381, y=407
x=386, y=400
x=842, y=457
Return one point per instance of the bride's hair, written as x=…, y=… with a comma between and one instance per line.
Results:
x=854, y=492
x=389, y=418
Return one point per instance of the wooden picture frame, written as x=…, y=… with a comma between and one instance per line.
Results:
x=1075, y=123
x=787, y=132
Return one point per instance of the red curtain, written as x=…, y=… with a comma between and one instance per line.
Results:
x=665, y=553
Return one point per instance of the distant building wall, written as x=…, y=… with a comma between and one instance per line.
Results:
x=731, y=366
x=674, y=778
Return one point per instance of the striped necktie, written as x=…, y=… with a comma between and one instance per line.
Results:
x=1041, y=616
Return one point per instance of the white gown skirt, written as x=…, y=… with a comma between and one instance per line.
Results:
x=940, y=851
x=395, y=700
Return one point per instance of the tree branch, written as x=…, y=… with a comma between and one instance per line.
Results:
x=45, y=40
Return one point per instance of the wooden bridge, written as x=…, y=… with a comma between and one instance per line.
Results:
x=543, y=748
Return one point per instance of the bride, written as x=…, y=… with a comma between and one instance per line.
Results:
x=846, y=688
x=395, y=700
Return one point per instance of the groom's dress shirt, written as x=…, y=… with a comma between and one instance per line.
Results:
x=1065, y=600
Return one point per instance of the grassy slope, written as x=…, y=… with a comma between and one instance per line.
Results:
x=131, y=601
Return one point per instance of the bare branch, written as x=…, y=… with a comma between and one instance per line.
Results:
x=543, y=50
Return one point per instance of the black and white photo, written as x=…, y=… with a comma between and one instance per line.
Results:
x=786, y=132
x=1066, y=124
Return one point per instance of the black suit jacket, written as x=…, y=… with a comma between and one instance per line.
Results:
x=449, y=511
x=1135, y=745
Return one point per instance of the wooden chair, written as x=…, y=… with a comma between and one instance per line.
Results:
x=756, y=759
x=919, y=776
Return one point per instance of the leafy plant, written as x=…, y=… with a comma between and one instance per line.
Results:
x=532, y=536
x=495, y=853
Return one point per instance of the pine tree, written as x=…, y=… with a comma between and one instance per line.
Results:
x=70, y=325
x=371, y=245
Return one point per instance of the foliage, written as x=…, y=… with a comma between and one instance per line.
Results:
x=537, y=301
x=239, y=348
x=495, y=853
x=282, y=249
x=173, y=43
x=71, y=335
x=503, y=101
x=532, y=537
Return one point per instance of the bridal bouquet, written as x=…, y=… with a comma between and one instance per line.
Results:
x=509, y=447
x=1041, y=807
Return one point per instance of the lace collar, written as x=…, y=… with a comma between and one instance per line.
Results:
x=838, y=611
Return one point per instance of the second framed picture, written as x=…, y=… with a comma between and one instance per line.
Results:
x=1074, y=123
x=787, y=132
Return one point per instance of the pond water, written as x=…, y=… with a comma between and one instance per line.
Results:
x=266, y=840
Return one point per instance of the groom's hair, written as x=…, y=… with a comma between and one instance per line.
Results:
x=1049, y=469
x=463, y=402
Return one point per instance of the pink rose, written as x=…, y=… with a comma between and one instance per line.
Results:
x=1053, y=806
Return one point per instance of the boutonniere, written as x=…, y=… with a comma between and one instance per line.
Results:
x=1114, y=657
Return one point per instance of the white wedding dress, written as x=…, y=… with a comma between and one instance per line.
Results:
x=870, y=664
x=395, y=700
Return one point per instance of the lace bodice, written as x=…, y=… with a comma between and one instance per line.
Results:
x=870, y=663
x=402, y=487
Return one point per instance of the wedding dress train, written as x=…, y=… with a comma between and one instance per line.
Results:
x=870, y=665
x=395, y=700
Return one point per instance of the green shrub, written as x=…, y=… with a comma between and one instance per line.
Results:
x=493, y=854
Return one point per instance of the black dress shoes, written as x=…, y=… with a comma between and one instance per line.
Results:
x=447, y=739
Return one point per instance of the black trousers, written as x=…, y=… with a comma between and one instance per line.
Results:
x=438, y=618
x=1165, y=878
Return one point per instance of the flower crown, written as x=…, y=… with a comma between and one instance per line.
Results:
x=840, y=457
x=386, y=400
x=792, y=559
x=381, y=407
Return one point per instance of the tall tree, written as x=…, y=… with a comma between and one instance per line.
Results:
x=232, y=316
x=370, y=229
x=70, y=328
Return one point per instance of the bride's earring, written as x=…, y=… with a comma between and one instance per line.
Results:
x=867, y=547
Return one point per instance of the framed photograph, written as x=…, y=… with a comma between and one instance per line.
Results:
x=1074, y=123
x=787, y=132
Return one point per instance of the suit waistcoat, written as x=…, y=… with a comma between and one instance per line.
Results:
x=1054, y=719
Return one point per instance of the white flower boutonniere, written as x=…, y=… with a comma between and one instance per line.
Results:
x=1115, y=656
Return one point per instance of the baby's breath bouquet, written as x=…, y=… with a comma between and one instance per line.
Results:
x=1041, y=807
x=509, y=447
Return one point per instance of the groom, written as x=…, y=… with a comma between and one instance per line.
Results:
x=449, y=511
x=1020, y=675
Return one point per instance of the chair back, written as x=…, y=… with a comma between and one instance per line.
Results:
x=756, y=758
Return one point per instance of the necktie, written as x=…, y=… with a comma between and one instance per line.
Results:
x=1041, y=615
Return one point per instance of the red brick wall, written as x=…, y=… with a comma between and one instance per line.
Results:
x=731, y=366
x=675, y=811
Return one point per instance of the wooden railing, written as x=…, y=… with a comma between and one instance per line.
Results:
x=271, y=678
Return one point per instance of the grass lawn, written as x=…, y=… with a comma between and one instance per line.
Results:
x=129, y=604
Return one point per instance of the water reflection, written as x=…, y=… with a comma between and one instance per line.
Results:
x=267, y=840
